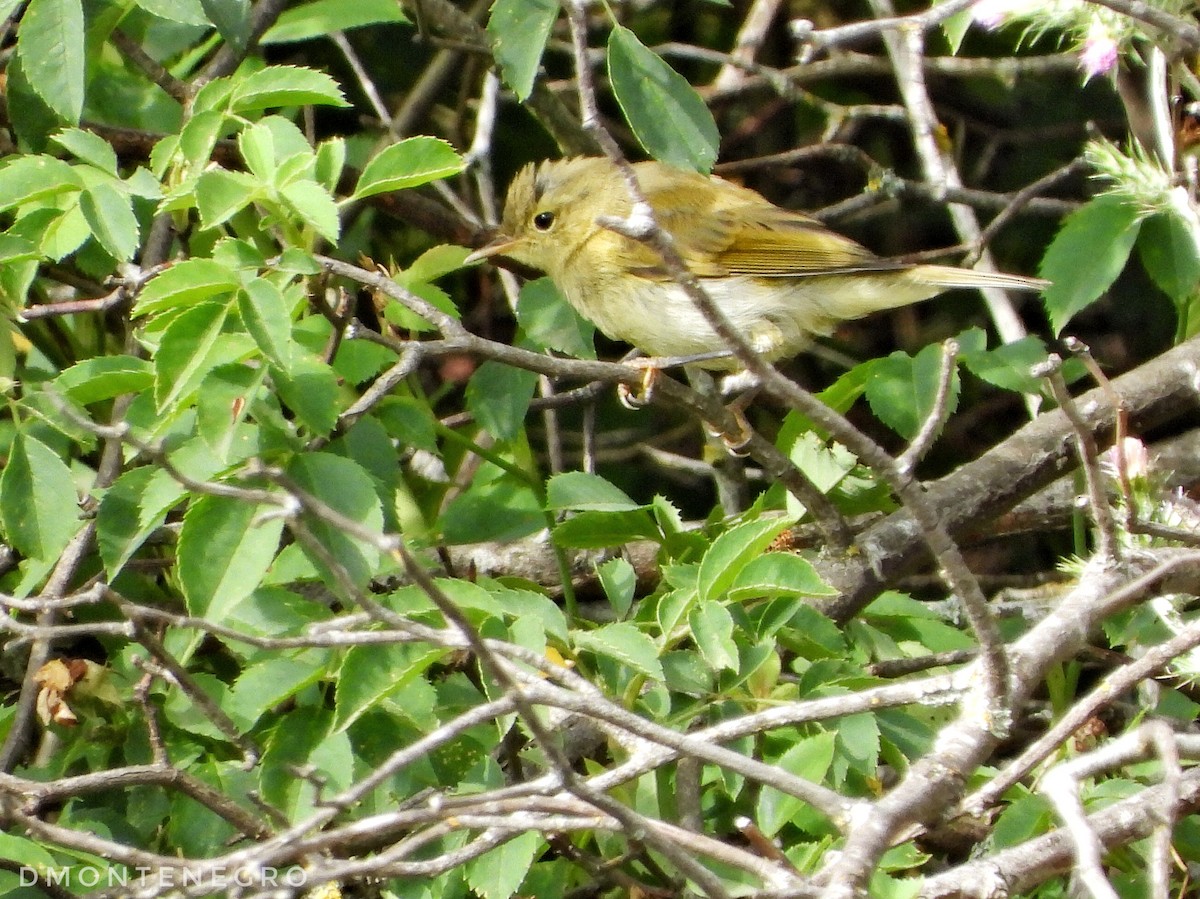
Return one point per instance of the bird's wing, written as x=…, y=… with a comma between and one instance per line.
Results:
x=733, y=231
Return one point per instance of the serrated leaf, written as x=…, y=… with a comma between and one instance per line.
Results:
x=183, y=353
x=581, y=490
x=310, y=389
x=268, y=683
x=712, y=629
x=666, y=114
x=778, y=574
x=1102, y=232
x=344, y=486
x=733, y=550
x=104, y=377
x=322, y=17
x=225, y=547
x=1169, y=252
x=264, y=312
x=50, y=43
x=186, y=284
x=498, y=395
x=498, y=874
x=408, y=163
x=1009, y=365
x=88, y=147
x=131, y=510
x=38, y=506
x=220, y=195
x=369, y=674
x=809, y=758
x=285, y=86
x=315, y=206
x=596, y=530
x=519, y=30
x=625, y=643
x=257, y=147
x=222, y=404
x=29, y=178
x=619, y=581
x=902, y=389
x=549, y=320
x=185, y=12
x=232, y=18
x=109, y=213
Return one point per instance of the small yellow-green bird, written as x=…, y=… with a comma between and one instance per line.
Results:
x=779, y=276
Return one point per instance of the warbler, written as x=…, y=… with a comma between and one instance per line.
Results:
x=781, y=277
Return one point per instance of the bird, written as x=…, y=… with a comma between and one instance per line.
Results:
x=779, y=276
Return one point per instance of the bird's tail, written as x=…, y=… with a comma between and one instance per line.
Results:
x=947, y=277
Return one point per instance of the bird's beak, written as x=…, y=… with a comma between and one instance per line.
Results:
x=498, y=246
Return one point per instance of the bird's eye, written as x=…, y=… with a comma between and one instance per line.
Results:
x=543, y=220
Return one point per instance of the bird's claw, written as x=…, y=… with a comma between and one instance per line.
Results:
x=735, y=443
x=640, y=399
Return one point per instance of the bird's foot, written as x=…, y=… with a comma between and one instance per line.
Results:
x=640, y=399
x=736, y=442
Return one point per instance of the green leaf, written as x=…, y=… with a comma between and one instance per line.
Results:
x=29, y=178
x=809, y=758
x=315, y=206
x=370, y=674
x=733, y=550
x=519, y=30
x=185, y=12
x=183, y=354
x=33, y=121
x=858, y=739
x=310, y=389
x=220, y=195
x=583, y=491
x=344, y=486
x=222, y=404
x=712, y=629
x=1009, y=365
x=264, y=311
x=268, y=683
x=88, y=147
x=409, y=421
x=322, y=17
x=408, y=163
x=552, y=322
x=50, y=44
x=778, y=574
x=186, y=284
x=131, y=510
x=498, y=874
x=902, y=389
x=1086, y=256
x=103, y=377
x=109, y=213
x=666, y=114
x=498, y=396
x=625, y=643
x=1168, y=249
x=38, y=506
x=619, y=581
x=496, y=506
x=596, y=530
x=285, y=86
x=257, y=146
x=232, y=18
x=225, y=547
